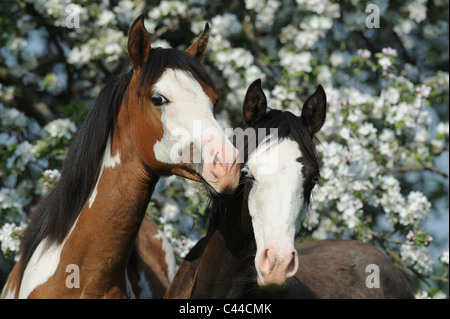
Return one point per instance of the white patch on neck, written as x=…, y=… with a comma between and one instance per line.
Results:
x=146, y=292
x=42, y=265
x=169, y=255
x=108, y=161
x=11, y=294
x=129, y=287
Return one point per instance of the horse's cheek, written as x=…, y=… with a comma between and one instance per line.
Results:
x=148, y=131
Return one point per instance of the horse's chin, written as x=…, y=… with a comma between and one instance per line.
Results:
x=272, y=287
x=214, y=194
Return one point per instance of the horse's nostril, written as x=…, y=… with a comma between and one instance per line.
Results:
x=268, y=260
x=293, y=266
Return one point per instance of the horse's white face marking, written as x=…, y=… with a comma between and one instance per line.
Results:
x=187, y=119
x=108, y=161
x=42, y=265
x=276, y=199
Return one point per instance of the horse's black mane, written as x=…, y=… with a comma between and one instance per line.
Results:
x=291, y=127
x=56, y=213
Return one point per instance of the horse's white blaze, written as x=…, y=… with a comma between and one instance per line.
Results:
x=187, y=119
x=42, y=265
x=107, y=161
x=276, y=197
x=169, y=255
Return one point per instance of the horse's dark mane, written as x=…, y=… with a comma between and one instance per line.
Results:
x=291, y=127
x=288, y=126
x=57, y=212
x=159, y=59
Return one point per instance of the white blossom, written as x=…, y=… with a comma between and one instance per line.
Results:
x=23, y=155
x=170, y=211
x=384, y=62
x=228, y=23
x=252, y=4
x=364, y=53
x=350, y=207
x=444, y=257
x=296, y=62
x=392, y=95
x=316, y=6
x=367, y=129
x=440, y=295
x=9, y=238
x=443, y=129
x=422, y=136
x=423, y=91
x=106, y=17
x=241, y=57
x=11, y=117
x=61, y=128
x=417, y=10
x=404, y=28
x=417, y=257
x=79, y=55
x=417, y=208
x=126, y=11
x=16, y=44
x=389, y=52
x=306, y=39
x=52, y=174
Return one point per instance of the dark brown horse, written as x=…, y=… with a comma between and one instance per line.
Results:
x=249, y=249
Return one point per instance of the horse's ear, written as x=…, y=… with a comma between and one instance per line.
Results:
x=314, y=110
x=138, y=43
x=255, y=104
x=198, y=48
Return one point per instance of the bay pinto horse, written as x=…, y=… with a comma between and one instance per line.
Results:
x=81, y=239
x=249, y=251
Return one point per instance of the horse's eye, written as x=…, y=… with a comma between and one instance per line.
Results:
x=159, y=100
x=245, y=171
x=315, y=179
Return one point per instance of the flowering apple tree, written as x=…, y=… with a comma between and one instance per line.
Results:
x=383, y=148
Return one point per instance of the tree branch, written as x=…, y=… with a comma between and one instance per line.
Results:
x=420, y=169
x=27, y=100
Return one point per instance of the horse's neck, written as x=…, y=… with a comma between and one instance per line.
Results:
x=101, y=239
x=107, y=227
x=217, y=267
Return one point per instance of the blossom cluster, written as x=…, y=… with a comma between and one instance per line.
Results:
x=417, y=257
x=387, y=115
x=61, y=128
x=10, y=238
x=420, y=237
